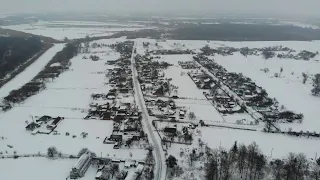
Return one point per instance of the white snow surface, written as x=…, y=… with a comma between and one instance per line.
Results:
x=35, y=168
x=30, y=72
x=74, y=29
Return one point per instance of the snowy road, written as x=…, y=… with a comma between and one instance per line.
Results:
x=160, y=167
x=30, y=72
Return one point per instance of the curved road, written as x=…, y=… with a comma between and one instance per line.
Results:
x=160, y=166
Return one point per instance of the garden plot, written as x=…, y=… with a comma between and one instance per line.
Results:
x=74, y=29
x=36, y=168
x=180, y=78
x=95, y=128
x=288, y=89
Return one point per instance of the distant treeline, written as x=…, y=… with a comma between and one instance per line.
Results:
x=243, y=32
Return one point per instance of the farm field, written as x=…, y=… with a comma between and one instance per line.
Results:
x=75, y=29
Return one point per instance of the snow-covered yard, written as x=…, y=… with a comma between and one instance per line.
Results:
x=36, y=168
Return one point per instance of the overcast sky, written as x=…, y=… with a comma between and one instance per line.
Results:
x=286, y=7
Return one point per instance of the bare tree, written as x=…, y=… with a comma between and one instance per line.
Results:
x=52, y=152
x=192, y=116
x=304, y=77
x=82, y=151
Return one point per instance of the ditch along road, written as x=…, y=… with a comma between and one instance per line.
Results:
x=160, y=166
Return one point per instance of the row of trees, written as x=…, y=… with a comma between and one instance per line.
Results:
x=316, y=85
x=245, y=163
x=249, y=163
x=266, y=52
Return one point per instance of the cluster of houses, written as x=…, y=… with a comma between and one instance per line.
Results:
x=175, y=132
x=188, y=65
x=126, y=131
x=118, y=103
x=158, y=91
x=220, y=99
x=254, y=96
x=151, y=77
x=44, y=125
x=130, y=170
x=164, y=109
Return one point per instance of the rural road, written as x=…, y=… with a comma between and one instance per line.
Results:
x=160, y=166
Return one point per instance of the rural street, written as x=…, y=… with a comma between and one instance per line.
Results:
x=160, y=166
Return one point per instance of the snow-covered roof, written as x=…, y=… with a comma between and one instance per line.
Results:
x=99, y=174
x=139, y=168
x=82, y=160
x=55, y=65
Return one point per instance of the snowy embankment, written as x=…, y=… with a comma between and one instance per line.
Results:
x=30, y=72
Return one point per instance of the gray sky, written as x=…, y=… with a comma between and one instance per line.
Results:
x=286, y=7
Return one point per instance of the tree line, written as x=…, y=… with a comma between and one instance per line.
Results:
x=243, y=162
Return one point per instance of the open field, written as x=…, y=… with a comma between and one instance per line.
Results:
x=74, y=29
x=36, y=168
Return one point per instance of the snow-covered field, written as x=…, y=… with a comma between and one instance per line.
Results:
x=74, y=29
x=36, y=168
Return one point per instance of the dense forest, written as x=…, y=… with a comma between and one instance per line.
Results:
x=243, y=32
x=15, y=51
